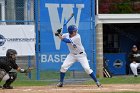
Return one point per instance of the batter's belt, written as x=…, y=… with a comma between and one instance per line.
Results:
x=78, y=53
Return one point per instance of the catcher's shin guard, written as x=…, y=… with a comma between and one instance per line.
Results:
x=0, y=85
x=13, y=76
x=2, y=74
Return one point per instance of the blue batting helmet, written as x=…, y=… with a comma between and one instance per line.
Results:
x=72, y=28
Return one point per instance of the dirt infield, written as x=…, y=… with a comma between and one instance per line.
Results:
x=75, y=89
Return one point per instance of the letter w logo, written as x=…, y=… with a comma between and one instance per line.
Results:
x=66, y=13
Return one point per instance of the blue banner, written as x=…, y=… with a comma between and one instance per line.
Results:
x=53, y=14
x=116, y=63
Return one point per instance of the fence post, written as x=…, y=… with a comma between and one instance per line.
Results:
x=29, y=65
x=37, y=41
x=94, y=34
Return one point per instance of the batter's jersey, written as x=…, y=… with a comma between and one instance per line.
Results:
x=74, y=40
x=7, y=65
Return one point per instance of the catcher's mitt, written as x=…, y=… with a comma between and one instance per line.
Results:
x=28, y=70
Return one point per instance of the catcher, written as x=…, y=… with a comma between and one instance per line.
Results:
x=6, y=65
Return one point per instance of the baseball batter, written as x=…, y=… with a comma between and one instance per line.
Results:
x=77, y=53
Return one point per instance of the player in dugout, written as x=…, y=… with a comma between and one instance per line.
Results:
x=77, y=53
x=6, y=65
x=134, y=58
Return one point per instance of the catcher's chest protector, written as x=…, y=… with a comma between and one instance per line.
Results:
x=7, y=65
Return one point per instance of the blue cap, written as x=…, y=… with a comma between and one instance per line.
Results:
x=72, y=28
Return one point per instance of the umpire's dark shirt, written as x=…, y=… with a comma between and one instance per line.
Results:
x=134, y=56
x=7, y=65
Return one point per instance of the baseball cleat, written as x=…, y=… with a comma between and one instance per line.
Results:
x=7, y=87
x=60, y=84
x=135, y=75
x=98, y=85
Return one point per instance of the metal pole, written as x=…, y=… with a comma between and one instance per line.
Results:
x=94, y=33
x=28, y=10
x=29, y=65
x=37, y=40
x=97, y=7
x=3, y=10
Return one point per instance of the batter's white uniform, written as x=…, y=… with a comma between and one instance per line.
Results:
x=76, y=54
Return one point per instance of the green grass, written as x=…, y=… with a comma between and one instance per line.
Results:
x=47, y=76
x=113, y=80
x=121, y=80
x=44, y=75
x=31, y=83
x=117, y=80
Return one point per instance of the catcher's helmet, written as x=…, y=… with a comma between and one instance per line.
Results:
x=10, y=52
x=72, y=28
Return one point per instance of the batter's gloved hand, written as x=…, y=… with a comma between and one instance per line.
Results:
x=58, y=32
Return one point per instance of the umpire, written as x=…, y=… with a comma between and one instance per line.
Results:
x=6, y=65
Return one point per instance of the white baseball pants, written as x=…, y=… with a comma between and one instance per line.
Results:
x=134, y=67
x=71, y=58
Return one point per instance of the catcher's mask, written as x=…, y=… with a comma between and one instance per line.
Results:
x=11, y=53
x=72, y=28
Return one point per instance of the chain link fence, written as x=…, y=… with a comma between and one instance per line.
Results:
x=19, y=12
x=22, y=12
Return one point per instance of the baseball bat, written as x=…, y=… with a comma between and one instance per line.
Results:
x=68, y=19
x=59, y=30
